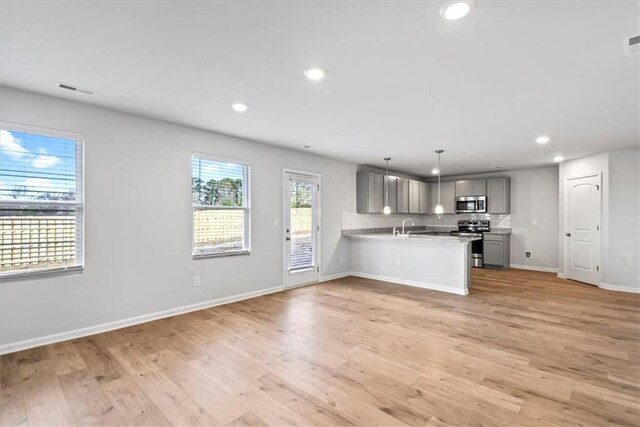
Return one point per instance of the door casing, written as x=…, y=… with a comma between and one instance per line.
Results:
x=566, y=225
x=287, y=283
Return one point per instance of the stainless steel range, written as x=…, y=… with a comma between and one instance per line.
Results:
x=473, y=228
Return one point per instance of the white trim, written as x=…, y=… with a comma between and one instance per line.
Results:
x=333, y=277
x=105, y=327
x=534, y=268
x=39, y=130
x=285, y=195
x=214, y=158
x=247, y=241
x=78, y=204
x=413, y=283
x=618, y=288
x=562, y=276
x=565, y=221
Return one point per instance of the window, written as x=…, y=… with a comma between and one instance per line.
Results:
x=221, y=206
x=41, y=200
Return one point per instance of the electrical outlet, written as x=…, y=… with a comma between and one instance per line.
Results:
x=276, y=222
x=341, y=258
x=398, y=261
x=196, y=280
x=527, y=254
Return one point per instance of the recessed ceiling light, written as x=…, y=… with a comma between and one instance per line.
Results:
x=240, y=107
x=456, y=9
x=315, y=74
x=306, y=146
x=542, y=139
x=435, y=171
x=497, y=167
x=558, y=159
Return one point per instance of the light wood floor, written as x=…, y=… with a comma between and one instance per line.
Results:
x=524, y=348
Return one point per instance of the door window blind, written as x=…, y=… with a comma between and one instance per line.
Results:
x=302, y=225
x=41, y=198
x=221, y=206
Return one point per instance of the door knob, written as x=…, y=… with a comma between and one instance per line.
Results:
x=567, y=234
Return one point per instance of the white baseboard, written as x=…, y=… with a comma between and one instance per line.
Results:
x=409, y=283
x=618, y=288
x=534, y=268
x=105, y=327
x=333, y=277
x=562, y=276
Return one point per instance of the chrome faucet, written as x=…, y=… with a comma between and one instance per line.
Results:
x=394, y=231
x=405, y=220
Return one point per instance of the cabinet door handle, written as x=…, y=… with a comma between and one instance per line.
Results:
x=567, y=234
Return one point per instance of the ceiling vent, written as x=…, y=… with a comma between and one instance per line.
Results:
x=76, y=89
x=632, y=45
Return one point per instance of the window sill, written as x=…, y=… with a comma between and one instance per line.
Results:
x=220, y=255
x=42, y=273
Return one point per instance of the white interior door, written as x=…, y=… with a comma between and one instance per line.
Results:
x=301, y=228
x=583, y=213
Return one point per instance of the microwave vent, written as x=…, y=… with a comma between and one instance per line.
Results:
x=76, y=89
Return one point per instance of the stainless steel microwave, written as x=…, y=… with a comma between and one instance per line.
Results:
x=471, y=204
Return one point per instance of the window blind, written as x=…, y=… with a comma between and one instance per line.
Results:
x=41, y=200
x=221, y=206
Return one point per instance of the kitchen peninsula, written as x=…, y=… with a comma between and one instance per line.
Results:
x=432, y=261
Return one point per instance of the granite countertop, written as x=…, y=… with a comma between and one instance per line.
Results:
x=499, y=231
x=414, y=238
x=389, y=230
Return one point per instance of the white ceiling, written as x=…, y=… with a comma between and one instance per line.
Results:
x=401, y=81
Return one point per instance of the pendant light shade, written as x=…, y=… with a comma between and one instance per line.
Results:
x=439, y=209
x=387, y=209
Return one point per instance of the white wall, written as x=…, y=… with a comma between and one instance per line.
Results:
x=534, y=196
x=138, y=220
x=624, y=220
x=620, y=214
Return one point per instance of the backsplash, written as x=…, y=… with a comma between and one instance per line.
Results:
x=352, y=220
x=496, y=221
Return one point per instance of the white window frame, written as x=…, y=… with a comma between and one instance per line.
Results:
x=246, y=208
x=78, y=204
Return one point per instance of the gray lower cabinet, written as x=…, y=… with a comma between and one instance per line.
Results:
x=414, y=196
x=402, y=195
x=496, y=250
x=498, y=195
x=447, y=196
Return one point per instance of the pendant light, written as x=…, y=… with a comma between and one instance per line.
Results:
x=439, y=208
x=387, y=209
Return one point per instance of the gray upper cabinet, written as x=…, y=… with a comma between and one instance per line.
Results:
x=392, y=187
x=403, y=195
x=471, y=187
x=447, y=196
x=370, y=192
x=498, y=195
x=425, y=198
x=411, y=196
x=414, y=196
